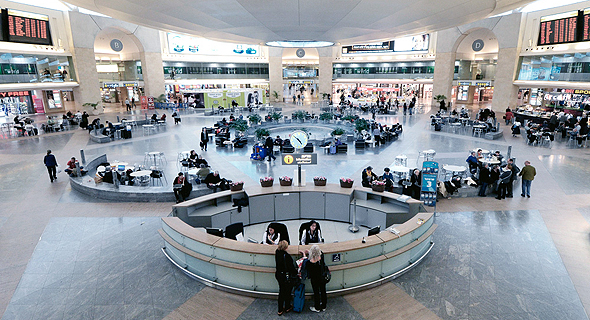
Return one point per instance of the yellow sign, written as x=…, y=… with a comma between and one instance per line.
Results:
x=288, y=159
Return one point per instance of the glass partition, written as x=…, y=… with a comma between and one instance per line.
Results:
x=27, y=68
x=566, y=67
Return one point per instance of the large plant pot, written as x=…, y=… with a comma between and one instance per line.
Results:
x=285, y=183
x=377, y=188
x=237, y=187
x=346, y=184
x=267, y=183
x=319, y=183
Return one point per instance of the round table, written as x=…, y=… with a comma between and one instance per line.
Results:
x=454, y=170
x=141, y=173
x=400, y=172
x=489, y=161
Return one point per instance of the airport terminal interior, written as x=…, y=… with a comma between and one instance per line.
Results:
x=81, y=248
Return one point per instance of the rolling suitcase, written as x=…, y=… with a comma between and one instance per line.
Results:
x=299, y=297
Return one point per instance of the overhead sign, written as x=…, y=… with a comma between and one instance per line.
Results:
x=28, y=27
x=300, y=159
x=477, y=45
x=475, y=83
x=116, y=45
x=560, y=28
x=182, y=44
x=414, y=43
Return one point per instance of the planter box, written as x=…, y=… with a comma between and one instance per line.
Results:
x=346, y=184
x=267, y=183
x=319, y=183
x=236, y=187
x=378, y=188
x=285, y=183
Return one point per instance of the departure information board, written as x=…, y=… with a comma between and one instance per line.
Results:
x=586, y=25
x=561, y=28
x=28, y=27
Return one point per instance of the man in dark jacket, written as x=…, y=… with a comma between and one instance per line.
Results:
x=51, y=164
x=213, y=182
x=269, y=144
x=513, y=177
x=368, y=177
x=484, y=179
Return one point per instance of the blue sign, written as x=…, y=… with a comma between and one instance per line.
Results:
x=428, y=182
x=429, y=179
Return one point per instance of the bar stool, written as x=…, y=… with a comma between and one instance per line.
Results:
x=477, y=132
x=401, y=160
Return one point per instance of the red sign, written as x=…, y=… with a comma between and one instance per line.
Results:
x=144, y=102
x=38, y=103
x=150, y=102
x=14, y=94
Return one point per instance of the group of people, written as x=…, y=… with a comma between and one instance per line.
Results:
x=411, y=187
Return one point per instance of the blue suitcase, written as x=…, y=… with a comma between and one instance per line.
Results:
x=299, y=297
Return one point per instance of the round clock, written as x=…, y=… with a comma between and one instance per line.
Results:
x=300, y=53
x=299, y=139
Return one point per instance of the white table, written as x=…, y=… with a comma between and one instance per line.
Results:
x=454, y=170
x=228, y=143
x=400, y=172
x=148, y=128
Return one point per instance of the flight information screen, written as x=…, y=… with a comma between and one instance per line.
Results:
x=28, y=27
x=557, y=29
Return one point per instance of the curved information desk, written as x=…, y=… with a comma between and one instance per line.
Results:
x=249, y=267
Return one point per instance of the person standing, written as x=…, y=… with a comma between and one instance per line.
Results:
x=315, y=270
x=513, y=177
x=528, y=174
x=133, y=102
x=127, y=104
x=484, y=179
x=204, y=139
x=505, y=179
x=285, y=269
x=269, y=144
x=51, y=164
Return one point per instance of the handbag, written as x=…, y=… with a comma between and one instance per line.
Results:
x=326, y=274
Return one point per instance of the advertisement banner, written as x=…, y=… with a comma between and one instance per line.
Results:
x=182, y=44
x=38, y=103
x=144, y=102
x=150, y=103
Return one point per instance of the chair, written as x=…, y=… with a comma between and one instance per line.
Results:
x=342, y=148
x=477, y=132
x=215, y=231
x=288, y=148
x=308, y=148
x=305, y=226
x=234, y=229
x=401, y=160
x=359, y=144
x=158, y=174
x=282, y=230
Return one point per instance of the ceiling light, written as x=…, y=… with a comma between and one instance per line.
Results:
x=299, y=44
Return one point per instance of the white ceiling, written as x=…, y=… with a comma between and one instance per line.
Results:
x=258, y=21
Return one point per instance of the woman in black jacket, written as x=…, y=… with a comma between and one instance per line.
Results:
x=315, y=270
x=284, y=267
x=182, y=189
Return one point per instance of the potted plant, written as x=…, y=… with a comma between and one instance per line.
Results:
x=261, y=133
x=361, y=124
x=93, y=105
x=326, y=116
x=276, y=95
x=325, y=96
x=239, y=125
x=299, y=115
x=276, y=116
x=439, y=98
x=378, y=186
x=346, y=182
x=285, y=181
x=319, y=181
x=236, y=186
x=254, y=119
x=337, y=133
x=266, y=181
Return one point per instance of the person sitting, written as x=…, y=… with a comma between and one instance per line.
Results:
x=176, y=117
x=416, y=184
x=479, y=154
x=368, y=177
x=182, y=189
x=498, y=156
x=154, y=118
x=163, y=117
x=311, y=234
x=213, y=182
x=387, y=177
x=270, y=236
x=279, y=142
x=202, y=173
x=94, y=125
x=107, y=175
x=472, y=162
x=71, y=167
x=193, y=158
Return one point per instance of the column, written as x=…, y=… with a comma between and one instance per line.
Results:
x=326, y=71
x=275, y=71
x=505, y=92
x=87, y=76
x=153, y=73
x=444, y=67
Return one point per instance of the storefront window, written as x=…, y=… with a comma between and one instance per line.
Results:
x=194, y=70
x=566, y=67
x=404, y=69
x=34, y=68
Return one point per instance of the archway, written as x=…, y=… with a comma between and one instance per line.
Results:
x=118, y=63
x=475, y=67
x=300, y=74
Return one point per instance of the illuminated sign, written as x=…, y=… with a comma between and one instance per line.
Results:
x=181, y=44
x=414, y=43
x=14, y=94
x=581, y=91
x=561, y=28
x=28, y=27
x=300, y=159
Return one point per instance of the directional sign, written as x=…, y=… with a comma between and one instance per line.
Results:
x=300, y=158
x=429, y=177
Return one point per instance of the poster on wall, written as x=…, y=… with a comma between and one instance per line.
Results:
x=415, y=43
x=38, y=103
x=194, y=99
x=182, y=44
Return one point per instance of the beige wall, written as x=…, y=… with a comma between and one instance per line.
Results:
x=327, y=55
x=153, y=73
x=443, y=75
x=85, y=65
x=505, y=92
x=275, y=72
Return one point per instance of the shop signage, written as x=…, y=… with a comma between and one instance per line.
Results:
x=144, y=102
x=300, y=81
x=14, y=94
x=300, y=159
x=38, y=105
x=150, y=102
x=475, y=83
x=215, y=95
x=132, y=84
x=581, y=91
x=232, y=94
x=111, y=85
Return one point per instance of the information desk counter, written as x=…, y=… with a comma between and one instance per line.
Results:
x=249, y=267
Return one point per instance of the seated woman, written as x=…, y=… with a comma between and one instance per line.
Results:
x=182, y=189
x=193, y=157
x=311, y=234
x=270, y=236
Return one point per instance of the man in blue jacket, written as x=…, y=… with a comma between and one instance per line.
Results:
x=51, y=164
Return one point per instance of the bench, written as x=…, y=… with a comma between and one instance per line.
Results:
x=494, y=135
x=99, y=137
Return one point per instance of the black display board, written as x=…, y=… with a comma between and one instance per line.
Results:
x=25, y=27
x=563, y=29
x=380, y=47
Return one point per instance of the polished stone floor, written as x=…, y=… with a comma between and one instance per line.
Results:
x=64, y=255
